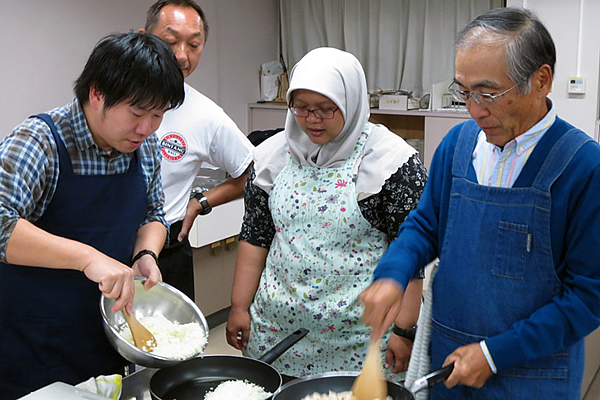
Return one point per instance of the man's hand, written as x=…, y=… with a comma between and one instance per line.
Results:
x=382, y=302
x=470, y=367
x=114, y=279
x=146, y=266
x=192, y=211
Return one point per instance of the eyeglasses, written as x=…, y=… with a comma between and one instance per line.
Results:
x=319, y=113
x=483, y=99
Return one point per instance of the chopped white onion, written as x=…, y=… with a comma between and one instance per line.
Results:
x=173, y=340
x=236, y=389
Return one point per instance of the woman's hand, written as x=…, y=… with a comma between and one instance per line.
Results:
x=398, y=353
x=238, y=328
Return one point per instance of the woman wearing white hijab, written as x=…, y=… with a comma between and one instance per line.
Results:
x=324, y=200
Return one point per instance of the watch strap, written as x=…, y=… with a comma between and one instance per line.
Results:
x=405, y=333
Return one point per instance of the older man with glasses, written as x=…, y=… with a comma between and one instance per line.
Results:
x=511, y=209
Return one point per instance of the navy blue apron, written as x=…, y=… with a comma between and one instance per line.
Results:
x=496, y=268
x=50, y=321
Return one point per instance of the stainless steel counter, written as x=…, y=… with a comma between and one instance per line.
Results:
x=137, y=385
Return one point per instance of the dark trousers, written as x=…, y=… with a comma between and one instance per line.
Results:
x=176, y=262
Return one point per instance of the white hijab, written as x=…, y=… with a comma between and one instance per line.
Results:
x=339, y=76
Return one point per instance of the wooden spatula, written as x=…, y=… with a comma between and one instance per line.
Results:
x=142, y=337
x=371, y=383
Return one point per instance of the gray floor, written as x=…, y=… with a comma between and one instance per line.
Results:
x=217, y=344
x=593, y=392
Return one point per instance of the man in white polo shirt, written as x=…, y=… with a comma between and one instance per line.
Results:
x=197, y=132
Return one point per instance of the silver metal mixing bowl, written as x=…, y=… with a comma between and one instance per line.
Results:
x=162, y=299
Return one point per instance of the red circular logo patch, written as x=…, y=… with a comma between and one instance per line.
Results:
x=173, y=146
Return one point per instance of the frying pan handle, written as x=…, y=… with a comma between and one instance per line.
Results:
x=437, y=376
x=283, y=346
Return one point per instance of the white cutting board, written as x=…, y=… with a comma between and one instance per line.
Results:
x=62, y=391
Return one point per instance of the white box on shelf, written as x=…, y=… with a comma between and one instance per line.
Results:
x=393, y=102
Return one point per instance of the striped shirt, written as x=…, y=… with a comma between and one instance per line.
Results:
x=501, y=167
x=29, y=167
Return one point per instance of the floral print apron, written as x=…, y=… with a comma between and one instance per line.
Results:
x=321, y=259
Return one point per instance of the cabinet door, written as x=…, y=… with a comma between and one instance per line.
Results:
x=435, y=130
x=213, y=276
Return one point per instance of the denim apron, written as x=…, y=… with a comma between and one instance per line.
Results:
x=50, y=321
x=321, y=259
x=496, y=268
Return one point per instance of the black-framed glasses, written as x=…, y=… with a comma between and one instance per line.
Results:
x=319, y=112
x=483, y=99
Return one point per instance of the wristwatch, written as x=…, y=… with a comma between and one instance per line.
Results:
x=405, y=333
x=206, y=208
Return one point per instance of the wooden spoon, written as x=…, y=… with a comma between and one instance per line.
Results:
x=142, y=337
x=371, y=383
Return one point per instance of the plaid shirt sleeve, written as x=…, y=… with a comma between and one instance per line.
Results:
x=27, y=176
x=151, y=157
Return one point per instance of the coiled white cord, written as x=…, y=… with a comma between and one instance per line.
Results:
x=420, y=363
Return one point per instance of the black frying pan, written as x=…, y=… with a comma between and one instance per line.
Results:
x=342, y=382
x=191, y=379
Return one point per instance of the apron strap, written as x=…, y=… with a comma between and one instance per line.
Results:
x=466, y=140
x=63, y=153
x=560, y=155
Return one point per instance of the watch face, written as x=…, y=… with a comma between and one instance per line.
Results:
x=199, y=196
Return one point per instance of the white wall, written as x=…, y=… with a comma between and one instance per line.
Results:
x=562, y=19
x=243, y=35
x=44, y=46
